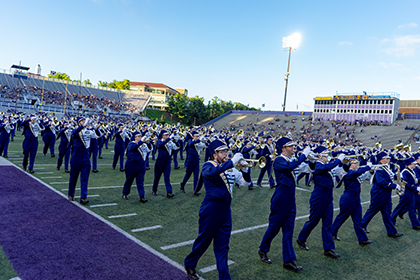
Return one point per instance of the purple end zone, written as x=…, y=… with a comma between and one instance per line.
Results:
x=47, y=237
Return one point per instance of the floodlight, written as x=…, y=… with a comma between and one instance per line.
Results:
x=292, y=41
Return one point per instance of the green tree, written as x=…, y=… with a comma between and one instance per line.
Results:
x=215, y=109
x=87, y=82
x=178, y=106
x=120, y=84
x=61, y=76
x=102, y=84
x=197, y=111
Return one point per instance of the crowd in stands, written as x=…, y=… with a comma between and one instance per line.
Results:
x=59, y=98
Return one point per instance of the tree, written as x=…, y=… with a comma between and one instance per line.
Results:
x=120, y=84
x=215, y=109
x=87, y=82
x=197, y=111
x=102, y=84
x=61, y=76
x=178, y=106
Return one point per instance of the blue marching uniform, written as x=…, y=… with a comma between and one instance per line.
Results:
x=135, y=166
x=30, y=143
x=283, y=206
x=6, y=129
x=321, y=203
x=266, y=152
x=407, y=200
x=215, y=219
x=49, y=139
x=350, y=204
x=381, y=199
x=64, y=148
x=94, y=150
x=80, y=161
x=163, y=164
x=119, y=149
x=192, y=162
x=247, y=174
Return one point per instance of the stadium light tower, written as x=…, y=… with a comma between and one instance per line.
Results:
x=289, y=43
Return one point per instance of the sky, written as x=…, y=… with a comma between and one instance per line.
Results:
x=225, y=48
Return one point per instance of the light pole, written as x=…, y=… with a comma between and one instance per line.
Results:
x=289, y=43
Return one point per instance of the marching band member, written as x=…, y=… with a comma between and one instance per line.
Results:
x=407, y=200
x=192, y=161
x=176, y=138
x=64, y=147
x=165, y=146
x=381, y=196
x=215, y=218
x=94, y=147
x=283, y=203
x=246, y=150
x=31, y=129
x=321, y=203
x=119, y=147
x=48, y=136
x=350, y=204
x=6, y=128
x=80, y=161
x=268, y=153
x=135, y=167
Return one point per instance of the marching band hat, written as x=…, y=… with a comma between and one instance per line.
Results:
x=320, y=150
x=79, y=119
x=284, y=142
x=32, y=116
x=268, y=137
x=416, y=156
x=217, y=145
x=382, y=155
x=163, y=132
x=194, y=133
x=134, y=135
x=409, y=161
x=120, y=124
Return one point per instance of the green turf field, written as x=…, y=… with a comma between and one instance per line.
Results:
x=176, y=221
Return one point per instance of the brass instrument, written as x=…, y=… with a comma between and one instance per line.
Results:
x=378, y=144
x=399, y=146
x=407, y=148
x=261, y=163
x=399, y=181
x=256, y=134
x=238, y=144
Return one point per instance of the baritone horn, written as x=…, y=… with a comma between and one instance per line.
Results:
x=261, y=162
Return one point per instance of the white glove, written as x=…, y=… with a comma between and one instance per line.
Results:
x=171, y=136
x=271, y=156
x=143, y=138
x=306, y=151
x=418, y=189
x=236, y=158
x=398, y=188
x=416, y=180
x=341, y=157
x=243, y=162
x=87, y=121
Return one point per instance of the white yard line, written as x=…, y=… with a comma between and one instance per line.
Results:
x=53, y=177
x=122, y=216
x=103, y=205
x=146, y=228
x=59, y=183
x=90, y=195
x=213, y=267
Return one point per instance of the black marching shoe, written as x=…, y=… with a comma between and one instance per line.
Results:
x=143, y=200
x=416, y=228
x=5, y=156
x=182, y=188
x=170, y=195
x=24, y=168
x=84, y=201
x=197, y=193
x=176, y=168
x=95, y=170
x=124, y=197
x=365, y=230
x=66, y=170
x=331, y=254
x=251, y=188
x=148, y=168
x=302, y=245
x=71, y=197
x=273, y=186
x=122, y=170
x=264, y=257
x=395, y=235
x=155, y=194
x=335, y=237
x=292, y=266
x=52, y=155
x=365, y=242
x=100, y=157
x=58, y=168
x=31, y=171
x=192, y=274
x=259, y=185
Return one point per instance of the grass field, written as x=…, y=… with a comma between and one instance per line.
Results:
x=175, y=221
